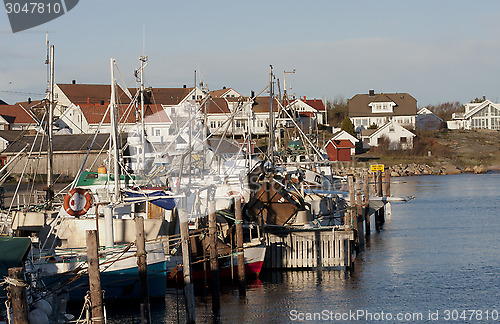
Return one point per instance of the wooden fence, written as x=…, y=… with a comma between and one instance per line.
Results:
x=310, y=248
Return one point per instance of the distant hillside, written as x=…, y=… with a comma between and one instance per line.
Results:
x=461, y=148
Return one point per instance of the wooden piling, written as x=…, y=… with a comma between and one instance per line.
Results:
x=374, y=183
x=94, y=277
x=186, y=266
x=379, y=184
x=359, y=216
x=366, y=204
x=387, y=183
x=214, y=264
x=239, y=246
x=143, y=271
x=387, y=191
x=17, y=292
x=349, y=220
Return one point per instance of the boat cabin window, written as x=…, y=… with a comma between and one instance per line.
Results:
x=91, y=176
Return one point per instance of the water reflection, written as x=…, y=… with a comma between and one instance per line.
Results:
x=439, y=251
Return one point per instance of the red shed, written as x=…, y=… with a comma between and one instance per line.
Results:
x=339, y=150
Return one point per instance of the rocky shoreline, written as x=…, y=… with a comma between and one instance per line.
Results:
x=440, y=168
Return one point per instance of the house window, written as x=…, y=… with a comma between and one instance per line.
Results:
x=157, y=132
x=402, y=139
x=379, y=140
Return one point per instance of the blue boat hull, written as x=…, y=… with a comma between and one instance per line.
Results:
x=119, y=284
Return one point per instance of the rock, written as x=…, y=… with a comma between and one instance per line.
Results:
x=479, y=169
x=395, y=174
x=469, y=170
x=449, y=168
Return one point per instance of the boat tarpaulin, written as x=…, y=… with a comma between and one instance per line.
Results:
x=158, y=197
x=14, y=251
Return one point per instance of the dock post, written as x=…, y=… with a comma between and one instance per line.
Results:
x=367, y=204
x=379, y=183
x=359, y=215
x=143, y=270
x=239, y=245
x=186, y=266
x=108, y=230
x=374, y=183
x=94, y=277
x=387, y=182
x=214, y=264
x=352, y=202
x=17, y=292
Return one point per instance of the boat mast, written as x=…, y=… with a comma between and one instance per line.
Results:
x=143, y=60
x=270, y=145
x=114, y=133
x=50, y=130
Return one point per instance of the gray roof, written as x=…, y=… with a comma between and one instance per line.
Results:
x=12, y=135
x=63, y=143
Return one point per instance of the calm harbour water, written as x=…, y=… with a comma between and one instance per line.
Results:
x=437, y=258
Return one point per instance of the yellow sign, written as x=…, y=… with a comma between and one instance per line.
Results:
x=376, y=167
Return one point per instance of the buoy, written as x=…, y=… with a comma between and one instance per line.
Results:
x=44, y=306
x=38, y=316
x=102, y=170
x=77, y=202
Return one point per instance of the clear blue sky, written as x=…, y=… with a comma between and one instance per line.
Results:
x=435, y=50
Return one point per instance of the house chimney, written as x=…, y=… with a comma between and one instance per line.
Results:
x=29, y=100
x=184, y=86
x=371, y=93
x=252, y=94
x=73, y=82
x=304, y=98
x=224, y=87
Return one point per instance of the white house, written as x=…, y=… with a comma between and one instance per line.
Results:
x=238, y=116
x=484, y=115
x=313, y=108
x=379, y=108
x=398, y=136
x=225, y=93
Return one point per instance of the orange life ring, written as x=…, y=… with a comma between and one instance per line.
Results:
x=73, y=201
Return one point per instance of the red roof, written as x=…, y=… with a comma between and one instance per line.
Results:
x=14, y=114
x=341, y=143
x=164, y=96
x=91, y=93
x=94, y=112
x=160, y=116
x=217, y=106
x=219, y=93
x=316, y=104
x=261, y=104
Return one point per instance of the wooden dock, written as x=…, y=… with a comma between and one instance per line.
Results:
x=309, y=248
